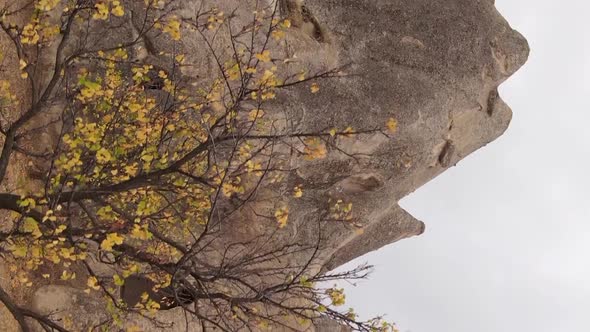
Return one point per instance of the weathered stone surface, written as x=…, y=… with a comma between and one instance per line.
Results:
x=69, y=306
x=78, y=311
x=433, y=65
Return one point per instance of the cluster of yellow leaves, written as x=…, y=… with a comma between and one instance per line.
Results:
x=23, y=278
x=149, y=202
x=46, y=5
x=30, y=225
x=233, y=71
x=92, y=284
x=282, y=216
x=264, y=56
x=35, y=31
x=215, y=19
x=279, y=27
x=137, y=126
x=22, y=66
x=232, y=187
x=35, y=251
x=85, y=136
x=111, y=240
x=90, y=90
x=30, y=34
x=341, y=211
x=6, y=95
x=141, y=232
x=336, y=295
x=255, y=114
x=66, y=275
x=172, y=28
x=314, y=148
x=305, y=282
x=146, y=303
x=113, y=105
x=105, y=7
x=140, y=73
x=254, y=167
x=27, y=202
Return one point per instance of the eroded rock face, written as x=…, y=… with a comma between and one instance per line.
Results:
x=433, y=65
x=78, y=311
x=69, y=306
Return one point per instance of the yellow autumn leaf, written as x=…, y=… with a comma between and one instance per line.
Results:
x=92, y=282
x=118, y=280
x=179, y=58
x=103, y=156
x=297, y=192
x=315, y=88
x=27, y=202
x=282, y=216
x=19, y=250
x=131, y=170
x=392, y=125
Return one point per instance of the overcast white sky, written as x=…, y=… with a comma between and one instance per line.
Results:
x=507, y=241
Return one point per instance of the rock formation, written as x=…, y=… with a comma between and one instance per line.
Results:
x=434, y=65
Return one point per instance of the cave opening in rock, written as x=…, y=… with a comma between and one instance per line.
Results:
x=135, y=288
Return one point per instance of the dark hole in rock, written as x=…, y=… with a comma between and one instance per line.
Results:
x=155, y=83
x=135, y=286
x=360, y=183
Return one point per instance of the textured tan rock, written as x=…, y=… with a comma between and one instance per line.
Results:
x=435, y=67
x=79, y=311
x=69, y=306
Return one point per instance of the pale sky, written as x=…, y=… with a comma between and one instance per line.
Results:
x=507, y=239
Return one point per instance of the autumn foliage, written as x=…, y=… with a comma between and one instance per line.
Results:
x=147, y=165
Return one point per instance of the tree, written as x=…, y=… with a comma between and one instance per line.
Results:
x=155, y=169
